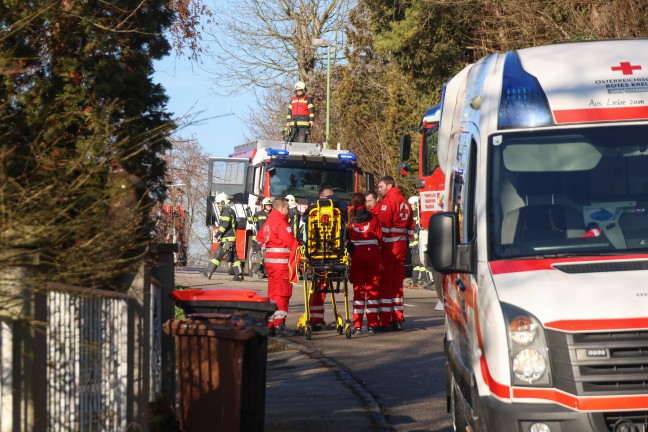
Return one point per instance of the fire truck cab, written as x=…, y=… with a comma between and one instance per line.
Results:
x=543, y=245
x=276, y=169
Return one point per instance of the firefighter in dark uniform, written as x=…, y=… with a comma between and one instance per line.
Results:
x=259, y=218
x=294, y=217
x=301, y=114
x=226, y=235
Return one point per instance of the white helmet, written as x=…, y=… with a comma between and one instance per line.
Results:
x=266, y=201
x=292, y=202
x=300, y=86
x=222, y=198
x=413, y=201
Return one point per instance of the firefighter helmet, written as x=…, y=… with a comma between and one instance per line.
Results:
x=300, y=86
x=222, y=198
x=413, y=201
x=266, y=201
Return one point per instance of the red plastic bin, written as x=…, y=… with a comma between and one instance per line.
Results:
x=228, y=300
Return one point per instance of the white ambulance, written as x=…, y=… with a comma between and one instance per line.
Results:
x=543, y=245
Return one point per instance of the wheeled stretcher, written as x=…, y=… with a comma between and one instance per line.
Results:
x=326, y=264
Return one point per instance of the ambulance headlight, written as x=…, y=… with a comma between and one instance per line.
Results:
x=529, y=365
x=523, y=330
x=528, y=349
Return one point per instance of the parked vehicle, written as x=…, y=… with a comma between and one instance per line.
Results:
x=543, y=245
x=276, y=169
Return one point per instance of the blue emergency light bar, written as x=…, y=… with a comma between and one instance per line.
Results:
x=277, y=152
x=523, y=103
x=347, y=156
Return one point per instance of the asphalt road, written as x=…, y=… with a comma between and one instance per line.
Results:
x=403, y=371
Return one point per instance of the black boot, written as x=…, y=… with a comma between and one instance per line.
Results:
x=282, y=330
x=238, y=278
x=211, y=269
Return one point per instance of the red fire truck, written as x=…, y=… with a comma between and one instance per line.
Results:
x=276, y=169
x=431, y=180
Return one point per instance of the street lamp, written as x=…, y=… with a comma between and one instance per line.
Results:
x=326, y=43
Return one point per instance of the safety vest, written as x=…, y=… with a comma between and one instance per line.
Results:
x=301, y=111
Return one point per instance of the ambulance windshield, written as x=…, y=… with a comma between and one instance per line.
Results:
x=578, y=192
x=305, y=181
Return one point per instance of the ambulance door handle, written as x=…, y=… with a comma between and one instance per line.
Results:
x=460, y=284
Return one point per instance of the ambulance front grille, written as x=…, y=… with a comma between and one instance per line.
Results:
x=597, y=364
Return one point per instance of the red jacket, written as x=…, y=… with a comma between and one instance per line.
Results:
x=301, y=110
x=277, y=238
x=396, y=217
x=365, y=230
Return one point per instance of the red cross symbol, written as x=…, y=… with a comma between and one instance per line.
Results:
x=626, y=68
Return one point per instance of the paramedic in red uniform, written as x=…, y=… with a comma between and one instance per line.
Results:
x=365, y=240
x=371, y=198
x=397, y=222
x=277, y=239
x=301, y=114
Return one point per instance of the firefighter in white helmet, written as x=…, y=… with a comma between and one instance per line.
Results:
x=226, y=236
x=259, y=218
x=301, y=113
x=294, y=216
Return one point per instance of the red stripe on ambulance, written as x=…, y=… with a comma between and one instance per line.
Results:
x=590, y=115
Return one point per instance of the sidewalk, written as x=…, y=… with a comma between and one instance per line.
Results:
x=304, y=389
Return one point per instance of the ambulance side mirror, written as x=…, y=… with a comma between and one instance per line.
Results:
x=447, y=255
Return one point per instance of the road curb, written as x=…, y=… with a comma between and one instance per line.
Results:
x=350, y=381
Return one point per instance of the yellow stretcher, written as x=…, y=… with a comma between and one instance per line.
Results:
x=326, y=264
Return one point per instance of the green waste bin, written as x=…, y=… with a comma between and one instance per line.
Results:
x=210, y=352
x=252, y=309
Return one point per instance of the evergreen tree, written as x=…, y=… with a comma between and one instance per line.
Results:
x=83, y=133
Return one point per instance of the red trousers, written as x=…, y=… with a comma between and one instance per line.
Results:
x=317, y=304
x=279, y=291
x=391, y=283
x=365, y=277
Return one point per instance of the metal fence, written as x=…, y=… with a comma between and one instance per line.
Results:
x=83, y=379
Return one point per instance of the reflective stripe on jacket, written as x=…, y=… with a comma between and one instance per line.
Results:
x=301, y=110
x=277, y=239
x=396, y=217
x=227, y=224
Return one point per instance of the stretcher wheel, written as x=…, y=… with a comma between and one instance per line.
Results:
x=309, y=334
x=348, y=333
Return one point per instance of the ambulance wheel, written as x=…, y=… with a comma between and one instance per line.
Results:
x=309, y=334
x=348, y=333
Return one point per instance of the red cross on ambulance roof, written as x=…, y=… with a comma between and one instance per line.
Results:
x=626, y=68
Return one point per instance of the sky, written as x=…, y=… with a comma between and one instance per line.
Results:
x=220, y=120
